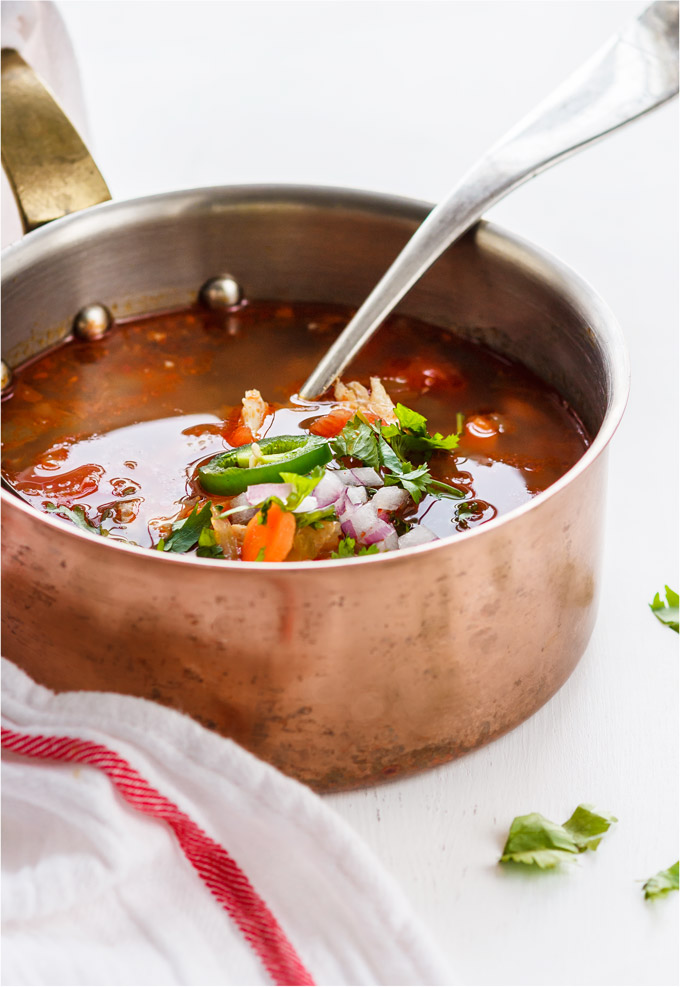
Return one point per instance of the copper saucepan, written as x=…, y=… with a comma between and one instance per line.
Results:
x=339, y=674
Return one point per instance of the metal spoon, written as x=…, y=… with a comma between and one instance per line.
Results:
x=633, y=73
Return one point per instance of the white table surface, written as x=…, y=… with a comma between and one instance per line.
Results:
x=401, y=97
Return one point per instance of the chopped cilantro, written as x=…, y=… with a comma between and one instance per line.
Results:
x=587, y=827
x=537, y=841
x=208, y=546
x=662, y=883
x=185, y=533
x=347, y=549
x=315, y=519
x=302, y=486
x=666, y=612
x=411, y=434
x=260, y=555
x=389, y=446
x=75, y=514
x=359, y=440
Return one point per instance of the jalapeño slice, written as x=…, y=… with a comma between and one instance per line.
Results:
x=230, y=472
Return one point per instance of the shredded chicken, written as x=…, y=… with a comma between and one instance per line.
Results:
x=355, y=396
x=254, y=411
x=381, y=403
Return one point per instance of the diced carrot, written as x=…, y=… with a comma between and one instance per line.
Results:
x=269, y=539
x=333, y=423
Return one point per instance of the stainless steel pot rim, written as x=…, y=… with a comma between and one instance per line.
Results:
x=540, y=262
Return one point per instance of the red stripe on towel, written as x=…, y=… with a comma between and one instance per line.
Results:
x=218, y=871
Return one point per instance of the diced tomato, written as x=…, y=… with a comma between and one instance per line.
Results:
x=240, y=436
x=234, y=431
x=333, y=423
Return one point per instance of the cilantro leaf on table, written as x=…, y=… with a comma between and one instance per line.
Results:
x=662, y=883
x=666, y=612
x=347, y=549
x=587, y=827
x=535, y=840
x=185, y=533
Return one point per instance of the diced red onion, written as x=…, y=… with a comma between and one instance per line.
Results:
x=246, y=512
x=388, y=544
x=390, y=498
x=364, y=476
x=260, y=491
x=348, y=527
x=382, y=531
x=367, y=476
x=357, y=495
x=310, y=503
x=363, y=516
x=342, y=503
x=418, y=535
x=329, y=489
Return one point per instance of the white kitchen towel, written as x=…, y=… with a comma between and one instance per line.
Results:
x=140, y=848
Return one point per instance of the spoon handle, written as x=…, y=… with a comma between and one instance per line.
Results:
x=631, y=74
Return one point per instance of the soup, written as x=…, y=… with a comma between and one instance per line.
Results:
x=133, y=437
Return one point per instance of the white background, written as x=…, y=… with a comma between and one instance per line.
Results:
x=401, y=97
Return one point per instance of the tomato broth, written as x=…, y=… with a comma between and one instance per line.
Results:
x=119, y=426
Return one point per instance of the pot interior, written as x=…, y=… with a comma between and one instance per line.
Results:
x=305, y=244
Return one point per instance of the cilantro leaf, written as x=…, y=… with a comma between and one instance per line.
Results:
x=533, y=839
x=302, y=486
x=587, y=827
x=359, y=440
x=75, y=514
x=388, y=447
x=185, y=533
x=208, y=546
x=347, y=549
x=408, y=418
x=389, y=457
x=662, y=883
x=314, y=518
x=416, y=481
x=411, y=434
x=667, y=612
x=537, y=841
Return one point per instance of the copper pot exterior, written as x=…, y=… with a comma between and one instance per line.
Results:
x=344, y=673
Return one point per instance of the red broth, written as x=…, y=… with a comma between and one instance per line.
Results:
x=120, y=425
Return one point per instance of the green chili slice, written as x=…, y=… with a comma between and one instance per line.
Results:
x=230, y=472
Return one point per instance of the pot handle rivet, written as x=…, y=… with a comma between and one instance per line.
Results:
x=92, y=322
x=7, y=377
x=221, y=293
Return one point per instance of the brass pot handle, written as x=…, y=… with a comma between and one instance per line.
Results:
x=47, y=164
